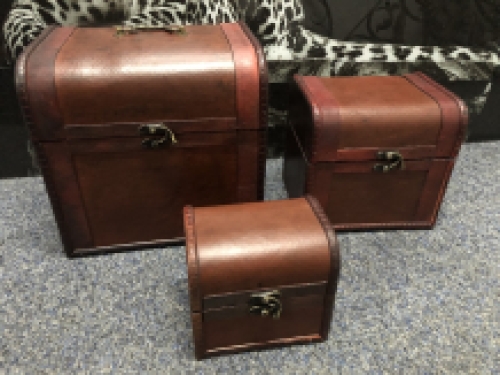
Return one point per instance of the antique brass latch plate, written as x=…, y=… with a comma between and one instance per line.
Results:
x=165, y=136
x=266, y=304
x=134, y=29
x=394, y=160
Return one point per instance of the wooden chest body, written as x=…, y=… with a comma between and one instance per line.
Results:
x=377, y=152
x=131, y=128
x=238, y=253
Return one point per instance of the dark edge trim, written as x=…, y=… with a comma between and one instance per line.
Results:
x=21, y=80
x=308, y=182
x=262, y=165
x=383, y=226
x=43, y=94
x=445, y=178
x=135, y=246
x=464, y=112
x=315, y=111
x=50, y=185
x=193, y=279
x=263, y=74
x=219, y=302
x=237, y=116
x=129, y=129
x=326, y=117
x=442, y=191
x=410, y=78
x=22, y=91
x=463, y=116
x=263, y=345
x=453, y=151
x=263, y=106
x=335, y=261
x=22, y=94
x=197, y=324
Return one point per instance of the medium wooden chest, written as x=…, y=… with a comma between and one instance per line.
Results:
x=260, y=274
x=132, y=125
x=377, y=152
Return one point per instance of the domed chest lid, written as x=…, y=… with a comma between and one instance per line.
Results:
x=275, y=245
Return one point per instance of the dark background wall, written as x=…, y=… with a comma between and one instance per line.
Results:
x=14, y=158
x=388, y=20
x=428, y=22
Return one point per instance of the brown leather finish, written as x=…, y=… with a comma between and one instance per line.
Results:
x=213, y=304
x=295, y=168
x=251, y=175
x=124, y=191
x=299, y=319
x=335, y=160
x=86, y=93
x=197, y=324
x=331, y=288
x=326, y=116
x=39, y=83
x=263, y=114
x=451, y=137
x=193, y=262
x=235, y=251
x=131, y=129
x=20, y=80
x=437, y=179
x=247, y=74
x=372, y=113
x=237, y=246
x=62, y=187
x=103, y=78
x=308, y=339
x=127, y=194
x=263, y=75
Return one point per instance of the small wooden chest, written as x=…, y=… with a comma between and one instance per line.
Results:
x=260, y=274
x=377, y=152
x=131, y=125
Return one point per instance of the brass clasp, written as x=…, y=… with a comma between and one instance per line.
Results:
x=134, y=29
x=166, y=136
x=395, y=161
x=266, y=304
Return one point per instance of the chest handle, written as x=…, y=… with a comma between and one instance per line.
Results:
x=393, y=159
x=266, y=304
x=135, y=29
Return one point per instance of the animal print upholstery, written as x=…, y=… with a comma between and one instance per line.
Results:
x=276, y=23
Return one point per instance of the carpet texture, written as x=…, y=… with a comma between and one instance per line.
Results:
x=408, y=302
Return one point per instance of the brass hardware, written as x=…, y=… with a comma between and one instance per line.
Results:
x=394, y=158
x=134, y=29
x=266, y=304
x=166, y=136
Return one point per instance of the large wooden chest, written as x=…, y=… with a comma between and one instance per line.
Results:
x=260, y=274
x=131, y=126
x=377, y=152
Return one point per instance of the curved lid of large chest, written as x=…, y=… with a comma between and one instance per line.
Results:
x=94, y=82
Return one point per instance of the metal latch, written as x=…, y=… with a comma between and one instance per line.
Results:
x=166, y=136
x=394, y=161
x=266, y=304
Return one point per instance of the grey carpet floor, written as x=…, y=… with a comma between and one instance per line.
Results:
x=408, y=302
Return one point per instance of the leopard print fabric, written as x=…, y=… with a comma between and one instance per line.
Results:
x=276, y=23
x=28, y=18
